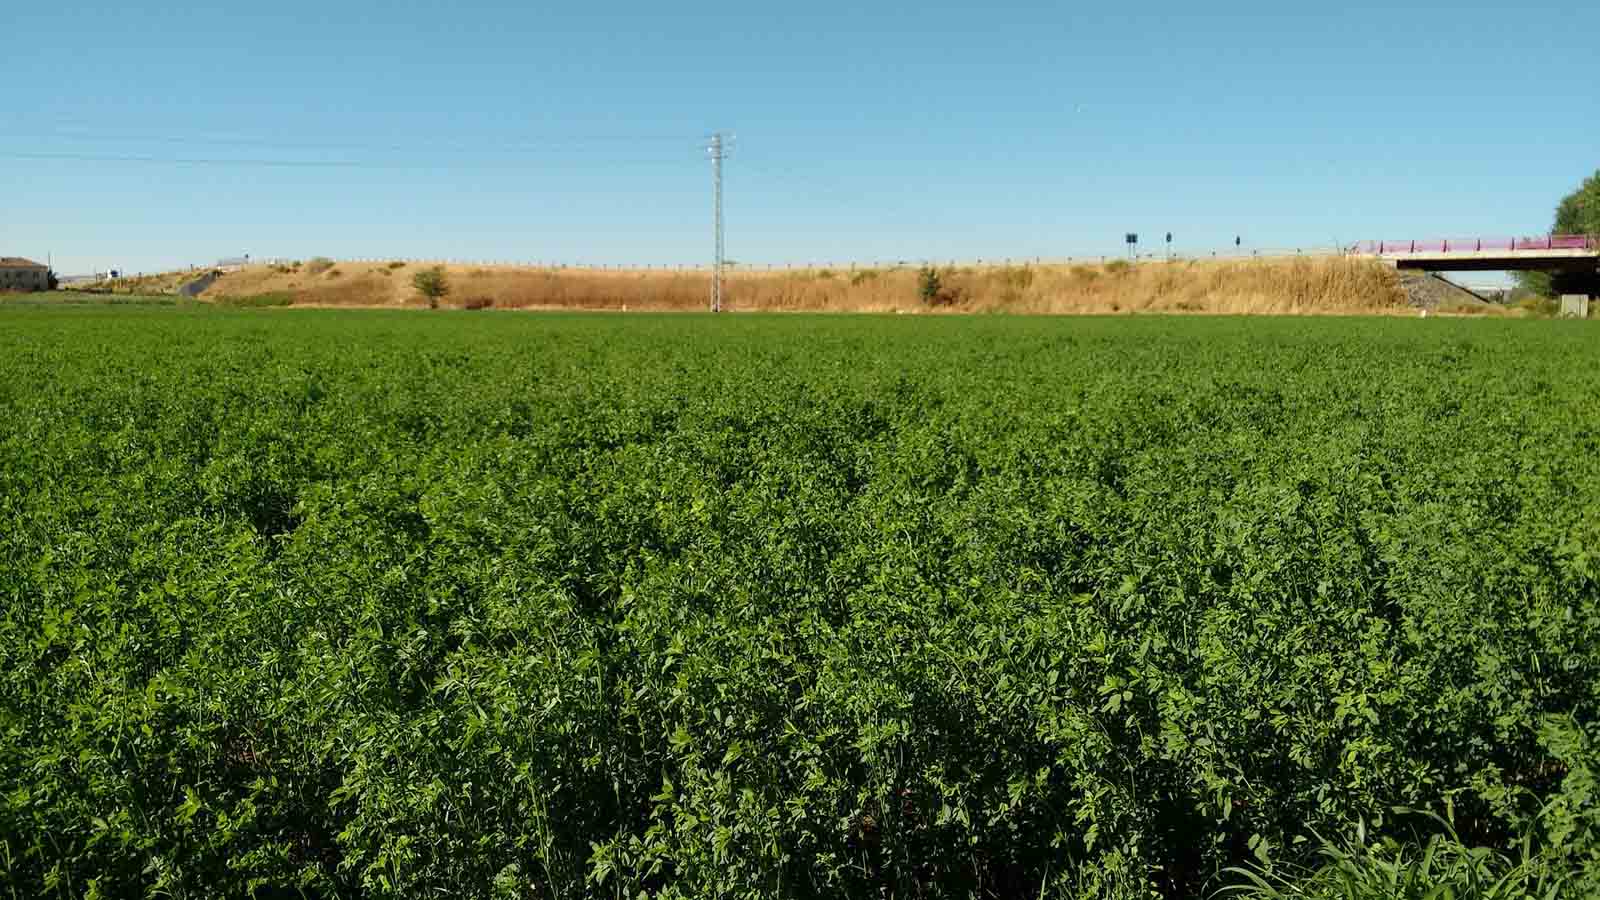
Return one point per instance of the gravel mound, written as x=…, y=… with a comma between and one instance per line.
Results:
x=1424, y=290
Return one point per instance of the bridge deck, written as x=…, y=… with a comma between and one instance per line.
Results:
x=1553, y=253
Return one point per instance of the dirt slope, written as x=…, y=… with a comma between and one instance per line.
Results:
x=1288, y=286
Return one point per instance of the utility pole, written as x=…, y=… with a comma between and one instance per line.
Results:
x=718, y=151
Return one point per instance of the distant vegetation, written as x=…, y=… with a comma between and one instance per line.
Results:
x=1577, y=213
x=80, y=298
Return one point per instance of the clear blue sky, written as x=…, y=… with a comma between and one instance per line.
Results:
x=136, y=134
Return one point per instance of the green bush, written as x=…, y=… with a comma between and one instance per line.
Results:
x=1544, y=307
x=259, y=301
x=432, y=284
x=930, y=286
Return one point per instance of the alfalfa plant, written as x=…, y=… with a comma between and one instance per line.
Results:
x=1434, y=867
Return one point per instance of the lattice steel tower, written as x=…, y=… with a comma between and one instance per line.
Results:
x=718, y=151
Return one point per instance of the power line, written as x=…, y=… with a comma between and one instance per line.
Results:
x=459, y=153
x=563, y=142
x=308, y=163
x=85, y=157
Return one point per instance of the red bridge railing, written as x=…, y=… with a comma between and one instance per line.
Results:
x=1480, y=245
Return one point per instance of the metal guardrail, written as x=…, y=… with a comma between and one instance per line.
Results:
x=732, y=266
x=1231, y=254
x=1479, y=245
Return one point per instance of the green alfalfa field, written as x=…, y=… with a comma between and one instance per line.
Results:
x=408, y=604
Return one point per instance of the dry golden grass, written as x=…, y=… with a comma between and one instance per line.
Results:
x=1312, y=285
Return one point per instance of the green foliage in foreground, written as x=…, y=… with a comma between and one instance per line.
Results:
x=1436, y=866
x=388, y=605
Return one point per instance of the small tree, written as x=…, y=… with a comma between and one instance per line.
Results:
x=929, y=286
x=1578, y=213
x=432, y=284
x=52, y=281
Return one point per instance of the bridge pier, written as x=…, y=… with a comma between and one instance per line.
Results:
x=1577, y=288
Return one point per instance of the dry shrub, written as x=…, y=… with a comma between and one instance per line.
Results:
x=524, y=288
x=360, y=291
x=1469, y=308
x=1018, y=278
x=318, y=265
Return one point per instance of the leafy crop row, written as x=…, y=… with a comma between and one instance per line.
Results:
x=366, y=604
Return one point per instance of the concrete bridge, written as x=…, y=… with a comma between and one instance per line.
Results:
x=1573, y=261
